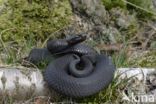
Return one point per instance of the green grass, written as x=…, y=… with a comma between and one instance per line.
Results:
x=23, y=27
x=109, y=4
x=143, y=8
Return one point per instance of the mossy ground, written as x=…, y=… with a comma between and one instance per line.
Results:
x=143, y=8
x=145, y=59
x=33, y=20
x=28, y=23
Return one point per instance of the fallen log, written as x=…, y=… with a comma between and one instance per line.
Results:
x=24, y=83
x=21, y=83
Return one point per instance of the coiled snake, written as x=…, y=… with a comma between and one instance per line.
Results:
x=78, y=71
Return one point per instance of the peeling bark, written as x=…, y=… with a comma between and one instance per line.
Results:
x=139, y=73
x=23, y=83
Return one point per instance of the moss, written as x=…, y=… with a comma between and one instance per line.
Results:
x=146, y=59
x=33, y=20
x=145, y=4
x=1, y=2
x=109, y=4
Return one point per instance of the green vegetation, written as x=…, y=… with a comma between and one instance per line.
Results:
x=33, y=20
x=146, y=59
x=143, y=8
x=25, y=24
x=109, y=4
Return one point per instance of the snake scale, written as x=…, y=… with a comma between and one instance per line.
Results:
x=78, y=71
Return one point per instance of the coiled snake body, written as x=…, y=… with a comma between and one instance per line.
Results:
x=79, y=71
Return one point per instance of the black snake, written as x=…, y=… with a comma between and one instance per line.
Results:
x=79, y=70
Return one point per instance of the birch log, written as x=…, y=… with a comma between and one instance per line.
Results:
x=25, y=83
x=21, y=83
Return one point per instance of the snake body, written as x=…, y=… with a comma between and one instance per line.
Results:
x=79, y=71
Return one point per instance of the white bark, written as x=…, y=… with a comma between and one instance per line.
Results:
x=139, y=73
x=23, y=83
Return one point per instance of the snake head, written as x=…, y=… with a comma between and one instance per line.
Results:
x=76, y=39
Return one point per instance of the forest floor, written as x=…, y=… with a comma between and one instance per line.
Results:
x=122, y=29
